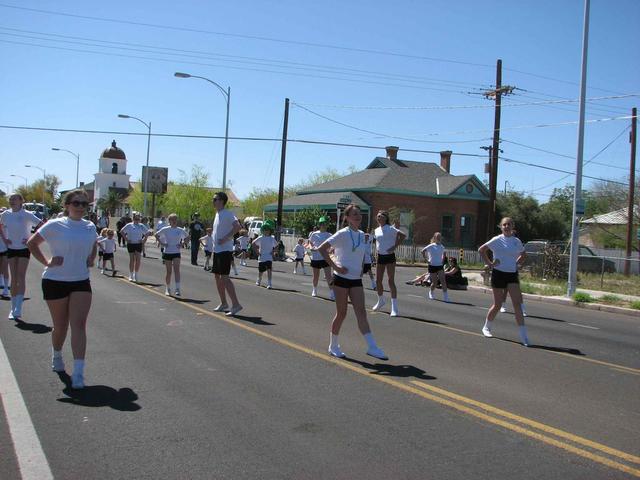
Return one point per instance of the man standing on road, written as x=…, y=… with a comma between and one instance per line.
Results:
x=196, y=232
x=225, y=226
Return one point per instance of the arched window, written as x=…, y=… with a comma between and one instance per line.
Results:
x=114, y=167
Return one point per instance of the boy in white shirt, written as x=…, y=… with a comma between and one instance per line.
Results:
x=299, y=251
x=266, y=246
x=108, y=247
x=103, y=236
x=207, y=244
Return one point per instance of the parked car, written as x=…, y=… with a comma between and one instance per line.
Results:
x=588, y=261
x=254, y=228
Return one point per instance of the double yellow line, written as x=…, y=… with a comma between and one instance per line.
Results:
x=488, y=413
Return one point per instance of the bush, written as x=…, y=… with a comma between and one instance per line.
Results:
x=582, y=297
x=549, y=263
x=610, y=299
x=635, y=304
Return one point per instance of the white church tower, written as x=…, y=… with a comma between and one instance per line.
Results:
x=112, y=173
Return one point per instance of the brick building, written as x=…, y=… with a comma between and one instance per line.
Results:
x=425, y=197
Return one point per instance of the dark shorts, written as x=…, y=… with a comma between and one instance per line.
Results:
x=3, y=254
x=366, y=268
x=134, y=247
x=55, y=289
x=435, y=268
x=500, y=279
x=300, y=259
x=319, y=264
x=207, y=253
x=107, y=256
x=170, y=256
x=342, y=282
x=221, y=263
x=100, y=253
x=386, y=259
x=264, y=266
x=18, y=253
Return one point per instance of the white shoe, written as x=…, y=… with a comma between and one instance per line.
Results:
x=295, y=272
x=524, y=312
x=102, y=271
x=77, y=381
x=11, y=316
x=431, y=297
x=314, y=293
x=177, y=293
x=233, y=311
x=377, y=353
x=503, y=310
x=445, y=297
x=57, y=364
x=135, y=276
x=223, y=307
x=486, y=331
x=332, y=295
x=258, y=283
x=394, y=312
x=269, y=286
x=379, y=304
x=131, y=278
x=335, y=351
x=167, y=292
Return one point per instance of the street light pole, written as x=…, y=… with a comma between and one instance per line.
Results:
x=23, y=178
x=77, y=155
x=44, y=183
x=227, y=95
x=146, y=172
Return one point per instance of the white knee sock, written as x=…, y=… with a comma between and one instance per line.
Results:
x=19, y=300
x=487, y=323
x=56, y=353
x=78, y=367
x=333, y=342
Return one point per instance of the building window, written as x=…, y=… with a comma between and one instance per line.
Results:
x=448, y=229
x=114, y=167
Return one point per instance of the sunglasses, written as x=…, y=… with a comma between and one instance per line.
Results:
x=78, y=203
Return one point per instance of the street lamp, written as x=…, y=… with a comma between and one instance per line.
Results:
x=44, y=184
x=227, y=95
x=77, y=155
x=20, y=176
x=146, y=173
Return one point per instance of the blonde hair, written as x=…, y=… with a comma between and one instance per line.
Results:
x=509, y=219
x=173, y=215
x=104, y=231
x=433, y=238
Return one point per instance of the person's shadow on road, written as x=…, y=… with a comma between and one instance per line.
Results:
x=36, y=328
x=389, y=370
x=99, y=396
x=549, y=348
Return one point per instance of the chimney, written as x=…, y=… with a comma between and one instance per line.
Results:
x=445, y=160
x=392, y=153
x=82, y=184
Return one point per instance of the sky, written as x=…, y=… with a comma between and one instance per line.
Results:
x=371, y=73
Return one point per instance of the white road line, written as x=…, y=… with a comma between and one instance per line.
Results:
x=415, y=296
x=31, y=459
x=584, y=326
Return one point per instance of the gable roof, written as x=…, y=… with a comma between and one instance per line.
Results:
x=320, y=200
x=402, y=176
x=618, y=217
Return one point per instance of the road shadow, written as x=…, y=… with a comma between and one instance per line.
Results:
x=148, y=284
x=551, y=319
x=99, y=396
x=415, y=319
x=570, y=351
x=36, y=328
x=389, y=370
x=254, y=320
x=285, y=290
x=190, y=300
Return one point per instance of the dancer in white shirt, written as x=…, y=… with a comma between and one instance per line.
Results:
x=243, y=243
x=108, y=245
x=317, y=261
x=135, y=235
x=65, y=281
x=508, y=254
x=388, y=238
x=300, y=251
x=349, y=250
x=434, y=254
x=4, y=265
x=207, y=244
x=266, y=246
x=16, y=230
x=171, y=238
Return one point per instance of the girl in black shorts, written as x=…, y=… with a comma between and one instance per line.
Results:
x=388, y=238
x=65, y=282
x=171, y=238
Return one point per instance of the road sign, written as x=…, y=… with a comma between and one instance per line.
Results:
x=157, y=179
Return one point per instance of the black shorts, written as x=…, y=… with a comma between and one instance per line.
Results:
x=100, y=253
x=107, y=256
x=134, y=247
x=366, y=268
x=386, y=259
x=500, y=279
x=170, y=256
x=221, y=263
x=435, y=268
x=264, y=266
x=55, y=289
x=3, y=254
x=207, y=253
x=319, y=264
x=300, y=259
x=342, y=282
x=18, y=253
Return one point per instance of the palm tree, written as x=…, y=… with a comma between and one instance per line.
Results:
x=110, y=203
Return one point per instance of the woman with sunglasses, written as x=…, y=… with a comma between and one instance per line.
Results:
x=16, y=229
x=349, y=249
x=388, y=238
x=65, y=281
x=508, y=255
x=135, y=235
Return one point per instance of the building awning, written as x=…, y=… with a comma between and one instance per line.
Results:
x=324, y=201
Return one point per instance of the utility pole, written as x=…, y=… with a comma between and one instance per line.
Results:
x=632, y=185
x=493, y=174
x=283, y=158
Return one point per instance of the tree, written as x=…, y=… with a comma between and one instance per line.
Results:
x=254, y=204
x=524, y=211
x=111, y=202
x=34, y=192
x=190, y=194
x=304, y=221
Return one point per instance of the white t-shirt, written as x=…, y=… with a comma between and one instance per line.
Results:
x=108, y=245
x=3, y=246
x=134, y=232
x=367, y=252
x=99, y=241
x=316, y=239
x=299, y=249
x=266, y=244
x=73, y=240
x=386, y=238
x=171, y=237
x=349, y=251
x=435, y=254
x=506, y=250
x=243, y=241
x=17, y=227
x=208, y=243
x=222, y=227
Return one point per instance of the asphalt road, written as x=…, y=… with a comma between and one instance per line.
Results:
x=175, y=390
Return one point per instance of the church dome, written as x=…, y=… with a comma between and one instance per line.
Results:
x=114, y=152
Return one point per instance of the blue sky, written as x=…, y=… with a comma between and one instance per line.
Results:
x=366, y=53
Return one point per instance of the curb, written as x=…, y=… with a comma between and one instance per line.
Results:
x=565, y=301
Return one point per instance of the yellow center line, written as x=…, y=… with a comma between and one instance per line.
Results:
x=428, y=396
